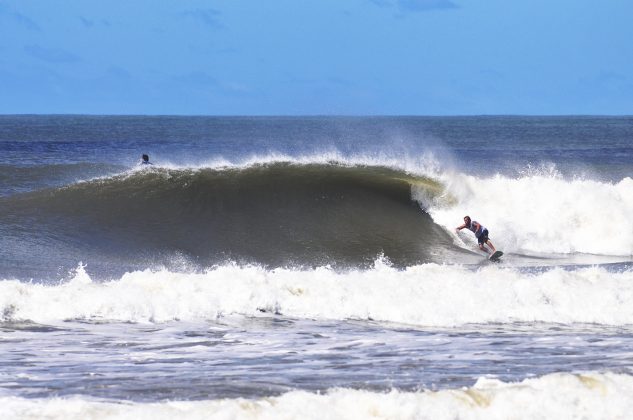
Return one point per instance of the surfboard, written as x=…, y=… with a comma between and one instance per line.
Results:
x=496, y=256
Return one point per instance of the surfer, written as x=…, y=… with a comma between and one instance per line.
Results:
x=480, y=232
x=145, y=160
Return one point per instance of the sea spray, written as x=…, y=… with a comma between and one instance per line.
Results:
x=545, y=214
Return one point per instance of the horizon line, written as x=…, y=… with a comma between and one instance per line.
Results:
x=308, y=115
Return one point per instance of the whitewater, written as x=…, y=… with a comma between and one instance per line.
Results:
x=298, y=267
x=572, y=216
x=426, y=295
x=594, y=396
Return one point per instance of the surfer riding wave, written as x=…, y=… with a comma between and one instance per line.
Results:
x=480, y=232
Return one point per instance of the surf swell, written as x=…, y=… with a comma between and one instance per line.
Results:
x=276, y=214
x=24, y=178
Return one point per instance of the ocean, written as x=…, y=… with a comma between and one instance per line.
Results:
x=309, y=267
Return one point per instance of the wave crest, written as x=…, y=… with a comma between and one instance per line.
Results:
x=424, y=295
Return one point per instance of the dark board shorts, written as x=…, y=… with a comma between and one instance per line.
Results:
x=483, y=238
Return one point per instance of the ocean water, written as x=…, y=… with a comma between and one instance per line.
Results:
x=278, y=267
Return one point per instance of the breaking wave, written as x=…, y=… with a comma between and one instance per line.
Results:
x=542, y=214
x=424, y=295
x=559, y=395
x=276, y=214
x=303, y=214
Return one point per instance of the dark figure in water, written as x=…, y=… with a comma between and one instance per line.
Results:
x=480, y=232
x=145, y=160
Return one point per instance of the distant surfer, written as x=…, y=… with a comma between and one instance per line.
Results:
x=480, y=232
x=145, y=160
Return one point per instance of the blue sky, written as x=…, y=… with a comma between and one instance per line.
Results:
x=294, y=57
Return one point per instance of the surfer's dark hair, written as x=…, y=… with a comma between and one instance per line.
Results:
x=145, y=158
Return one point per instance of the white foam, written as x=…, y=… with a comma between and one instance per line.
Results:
x=426, y=295
x=555, y=396
x=541, y=214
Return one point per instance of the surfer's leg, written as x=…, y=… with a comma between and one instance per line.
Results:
x=481, y=240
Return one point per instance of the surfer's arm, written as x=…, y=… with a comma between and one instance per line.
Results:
x=458, y=228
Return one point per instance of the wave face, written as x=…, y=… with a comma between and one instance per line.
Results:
x=560, y=395
x=425, y=295
x=273, y=214
x=284, y=213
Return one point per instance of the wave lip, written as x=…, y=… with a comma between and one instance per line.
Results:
x=425, y=295
x=559, y=395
